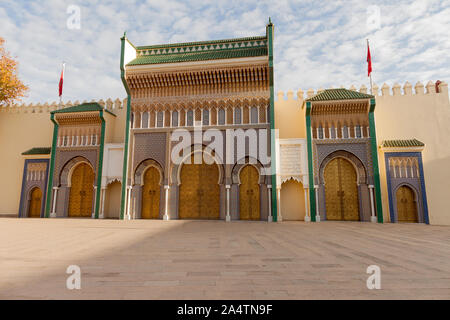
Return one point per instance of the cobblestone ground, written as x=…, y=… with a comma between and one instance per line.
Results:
x=217, y=260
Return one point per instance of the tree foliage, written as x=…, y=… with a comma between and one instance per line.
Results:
x=11, y=88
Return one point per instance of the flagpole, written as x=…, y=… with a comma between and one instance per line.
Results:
x=370, y=76
x=62, y=77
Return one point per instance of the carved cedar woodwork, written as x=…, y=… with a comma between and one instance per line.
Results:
x=199, y=191
x=341, y=192
x=249, y=203
x=81, y=191
x=151, y=194
x=35, y=203
x=406, y=206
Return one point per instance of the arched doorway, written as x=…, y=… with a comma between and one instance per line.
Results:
x=151, y=194
x=81, y=191
x=249, y=204
x=112, y=200
x=341, y=191
x=199, y=191
x=406, y=205
x=292, y=198
x=34, y=210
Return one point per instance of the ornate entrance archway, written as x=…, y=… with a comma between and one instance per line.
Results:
x=34, y=210
x=81, y=191
x=406, y=205
x=341, y=192
x=151, y=194
x=249, y=201
x=292, y=200
x=199, y=191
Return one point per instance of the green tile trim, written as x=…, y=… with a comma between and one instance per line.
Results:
x=376, y=170
x=52, y=167
x=127, y=130
x=84, y=107
x=409, y=143
x=339, y=94
x=198, y=43
x=100, y=166
x=198, y=56
x=37, y=151
x=269, y=31
x=312, y=193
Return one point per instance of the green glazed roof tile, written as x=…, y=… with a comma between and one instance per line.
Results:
x=402, y=143
x=209, y=43
x=37, y=151
x=84, y=107
x=200, y=55
x=339, y=94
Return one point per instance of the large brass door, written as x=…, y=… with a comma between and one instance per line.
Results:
x=249, y=207
x=150, y=194
x=81, y=191
x=406, y=206
x=341, y=191
x=199, y=191
x=35, y=203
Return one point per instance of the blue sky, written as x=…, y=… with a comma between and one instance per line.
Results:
x=317, y=43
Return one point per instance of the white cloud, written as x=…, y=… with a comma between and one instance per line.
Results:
x=317, y=44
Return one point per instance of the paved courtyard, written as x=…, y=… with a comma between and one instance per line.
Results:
x=217, y=260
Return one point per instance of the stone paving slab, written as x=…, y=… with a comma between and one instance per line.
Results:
x=216, y=260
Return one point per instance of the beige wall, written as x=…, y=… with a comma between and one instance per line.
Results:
x=26, y=126
x=289, y=116
x=425, y=117
x=112, y=200
x=398, y=115
x=19, y=131
x=292, y=198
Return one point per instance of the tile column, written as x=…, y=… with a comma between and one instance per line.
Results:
x=166, y=209
x=316, y=189
x=307, y=217
x=102, y=206
x=279, y=217
x=95, y=202
x=55, y=193
x=373, y=218
x=269, y=195
x=129, y=203
x=228, y=217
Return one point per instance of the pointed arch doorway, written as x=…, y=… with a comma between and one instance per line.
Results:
x=249, y=197
x=341, y=190
x=81, y=191
x=34, y=210
x=406, y=205
x=199, y=195
x=151, y=194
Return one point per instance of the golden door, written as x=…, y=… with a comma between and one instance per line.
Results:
x=341, y=191
x=35, y=203
x=199, y=191
x=81, y=191
x=150, y=194
x=249, y=194
x=406, y=206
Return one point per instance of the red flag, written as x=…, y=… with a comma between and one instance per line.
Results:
x=369, y=60
x=61, y=80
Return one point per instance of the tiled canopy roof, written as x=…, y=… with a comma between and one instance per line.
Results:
x=37, y=150
x=339, y=94
x=203, y=50
x=402, y=143
x=84, y=107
